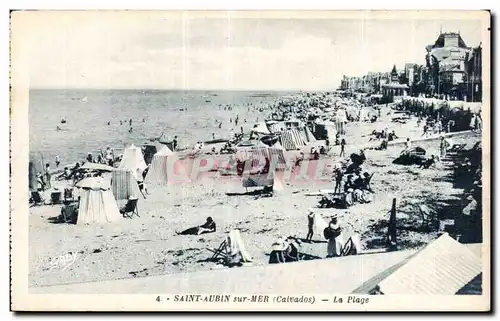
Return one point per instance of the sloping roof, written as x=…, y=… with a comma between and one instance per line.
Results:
x=95, y=166
x=94, y=183
x=443, y=267
x=261, y=128
x=164, y=151
x=336, y=275
x=292, y=139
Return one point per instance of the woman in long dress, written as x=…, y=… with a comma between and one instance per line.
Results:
x=333, y=234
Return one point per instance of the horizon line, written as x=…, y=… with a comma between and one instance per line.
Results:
x=182, y=89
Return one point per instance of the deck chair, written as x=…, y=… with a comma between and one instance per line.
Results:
x=351, y=246
x=37, y=198
x=130, y=208
x=367, y=183
x=427, y=216
x=222, y=251
x=68, y=194
x=55, y=198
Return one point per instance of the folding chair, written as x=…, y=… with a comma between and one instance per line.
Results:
x=37, y=198
x=222, y=251
x=427, y=215
x=130, y=208
x=68, y=194
x=55, y=198
x=368, y=181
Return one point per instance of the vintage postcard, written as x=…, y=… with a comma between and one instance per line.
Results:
x=250, y=161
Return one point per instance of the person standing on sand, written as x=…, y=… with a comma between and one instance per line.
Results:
x=39, y=182
x=339, y=175
x=57, y=162
x=310, y=225
x=174, y=143
x=342, y=147
x=332, y=234
x=47, y=175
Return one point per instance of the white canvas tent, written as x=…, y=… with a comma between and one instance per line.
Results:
x=261, y=128
x=157, y=174
x=133, y=160
x=97, y=204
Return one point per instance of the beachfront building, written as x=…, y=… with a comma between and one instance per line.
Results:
x=446, y=60
x=474, y=75
x=394, y=88
x=370, y=83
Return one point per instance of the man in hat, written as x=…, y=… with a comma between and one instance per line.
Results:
x=333, y=232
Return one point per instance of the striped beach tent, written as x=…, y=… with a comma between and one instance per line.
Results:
x=124, y=184
x=260, y=154
x=307, y=135
x=292, y=139
x=97, y=204
x=157, y=173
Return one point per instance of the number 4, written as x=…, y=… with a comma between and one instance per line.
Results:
x=158, y=299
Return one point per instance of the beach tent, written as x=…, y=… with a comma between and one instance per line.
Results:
x=124, y=184
x=97, y=204
x=97, y=167
x=133, y=160
x=443, y=267
x=260, y=154
x=275, y=126
x=32, y=176
x=277, y=145
x=292, y=139
x=307, y=135
x=157, y=174
x=261, y=128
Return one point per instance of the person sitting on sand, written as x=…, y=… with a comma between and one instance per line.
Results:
x=428, y=163
x=392, y=136
x=277, y=254
x=291, y=253
x=208, y=227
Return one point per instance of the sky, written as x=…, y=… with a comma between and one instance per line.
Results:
x=221, y=50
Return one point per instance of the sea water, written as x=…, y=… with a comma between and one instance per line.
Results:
x=191, y=115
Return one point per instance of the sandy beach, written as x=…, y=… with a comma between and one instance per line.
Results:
x=148, y=245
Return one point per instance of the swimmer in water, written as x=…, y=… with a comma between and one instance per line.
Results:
x=130, y=130
x=58, y=128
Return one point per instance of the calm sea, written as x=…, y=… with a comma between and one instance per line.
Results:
x=191, y=115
